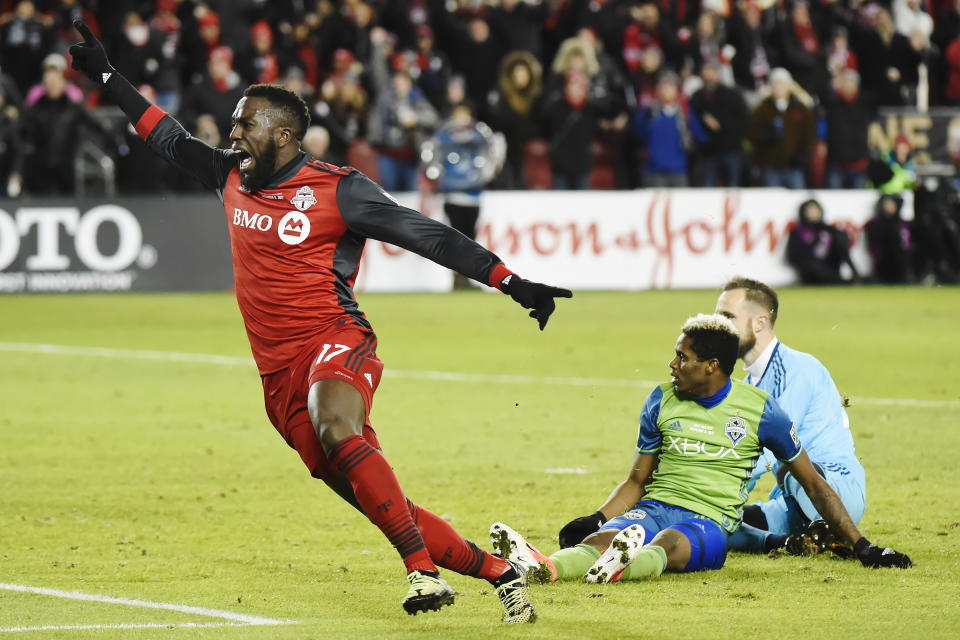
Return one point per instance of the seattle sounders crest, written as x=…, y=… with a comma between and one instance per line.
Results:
x=735, y=429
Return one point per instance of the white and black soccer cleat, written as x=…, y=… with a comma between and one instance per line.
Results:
x=623, y=549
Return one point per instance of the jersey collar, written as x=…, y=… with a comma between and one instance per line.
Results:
x=712, y=401
x=288, y=170
x=759, y=367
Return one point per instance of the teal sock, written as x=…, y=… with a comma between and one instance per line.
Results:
x=574, y=561
x=649, y=563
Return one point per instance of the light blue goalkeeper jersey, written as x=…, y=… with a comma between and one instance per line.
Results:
x=803, y=388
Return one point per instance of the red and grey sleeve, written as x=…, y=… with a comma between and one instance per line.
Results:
x=369, y=211
x=167, y=137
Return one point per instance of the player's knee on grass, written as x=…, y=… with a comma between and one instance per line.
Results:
x=336, y=410
x=695, y=544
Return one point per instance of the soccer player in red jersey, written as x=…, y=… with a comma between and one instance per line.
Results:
x=297, y=230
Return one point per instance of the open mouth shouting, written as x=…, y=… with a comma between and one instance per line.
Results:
x=244, y=159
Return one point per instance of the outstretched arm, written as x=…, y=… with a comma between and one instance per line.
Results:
x=160, y=131
x=828, y=504
x=369, y=211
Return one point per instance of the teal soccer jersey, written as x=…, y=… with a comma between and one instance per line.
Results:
x=708, y=447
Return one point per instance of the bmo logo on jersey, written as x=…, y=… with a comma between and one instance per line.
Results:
x=294, y=227
x=258, y=221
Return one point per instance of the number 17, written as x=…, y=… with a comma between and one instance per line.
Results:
x=337, y=350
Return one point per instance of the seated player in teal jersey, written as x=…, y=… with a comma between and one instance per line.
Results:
x=700, y=437
x=804, y=389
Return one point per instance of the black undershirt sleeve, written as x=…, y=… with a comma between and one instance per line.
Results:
x=131, y=101
x=369, y=211
x=167, y=137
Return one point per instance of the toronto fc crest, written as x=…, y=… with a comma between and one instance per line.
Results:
x=304, y=199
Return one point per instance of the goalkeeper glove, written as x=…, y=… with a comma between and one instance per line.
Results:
x=577, y=529
x=874, y=557
x=533, y=295
x=89, y=56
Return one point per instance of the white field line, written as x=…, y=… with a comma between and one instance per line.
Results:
x=236, y=619
x=145, y=625
x=447, y=376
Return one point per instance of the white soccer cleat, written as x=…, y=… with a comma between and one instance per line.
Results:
x=623, y=549
x=509, y=544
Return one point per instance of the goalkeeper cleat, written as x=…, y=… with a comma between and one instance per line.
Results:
x=828, y=540
x=427, y=593
x=515, y=597
x=798, y=544
x=509, y=544
x=611, y=564
x=817, y=539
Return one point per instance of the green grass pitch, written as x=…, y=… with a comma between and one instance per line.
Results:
x=162, y=480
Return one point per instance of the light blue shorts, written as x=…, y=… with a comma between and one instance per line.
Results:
x=708, y=541
x=789, y=510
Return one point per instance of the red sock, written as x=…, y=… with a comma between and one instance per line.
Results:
x=379, y=494
x=451, y=551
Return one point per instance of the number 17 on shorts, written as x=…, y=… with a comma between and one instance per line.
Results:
x=331, y=351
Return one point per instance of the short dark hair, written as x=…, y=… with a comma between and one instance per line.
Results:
x=292, y=111
x=757, y=293
x=714, y=336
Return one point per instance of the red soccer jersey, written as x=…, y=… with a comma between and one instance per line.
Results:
x=297, y=243
x=284, y=243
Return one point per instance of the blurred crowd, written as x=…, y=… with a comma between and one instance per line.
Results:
x=585, y=93
x=588, y=93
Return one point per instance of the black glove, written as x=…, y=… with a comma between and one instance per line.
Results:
x=89, y=56
x=533, y=295
x=874, y=557
x=577, y=529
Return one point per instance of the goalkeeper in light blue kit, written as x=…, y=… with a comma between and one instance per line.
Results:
x=803, y=388
x=700, y=437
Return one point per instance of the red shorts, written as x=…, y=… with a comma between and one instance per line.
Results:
x=343, y=353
